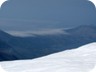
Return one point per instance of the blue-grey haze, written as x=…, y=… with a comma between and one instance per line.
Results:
x=39, y=14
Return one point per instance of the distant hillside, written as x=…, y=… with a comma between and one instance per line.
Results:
x=41, y=45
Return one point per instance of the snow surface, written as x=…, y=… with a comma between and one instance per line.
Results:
x=94, y=69
x=82, y=59
x=1, y=69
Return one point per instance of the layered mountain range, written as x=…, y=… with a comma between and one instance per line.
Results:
x=13, y=48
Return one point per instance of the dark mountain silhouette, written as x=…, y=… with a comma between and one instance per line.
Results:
x=83, y=30
x=6, y=50
x=41, y=45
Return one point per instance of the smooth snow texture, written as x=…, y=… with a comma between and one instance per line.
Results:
x=82, y=59
x=1, y=69
x=94, y=69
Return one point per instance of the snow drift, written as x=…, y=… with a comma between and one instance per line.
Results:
x=82, y=59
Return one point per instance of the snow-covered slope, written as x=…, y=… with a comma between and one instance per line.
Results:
x=1, y=69
x=94, y=69
x=82, y=59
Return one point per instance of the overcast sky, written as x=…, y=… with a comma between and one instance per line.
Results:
x=36, y=14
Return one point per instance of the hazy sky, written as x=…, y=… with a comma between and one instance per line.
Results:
x=35, y=14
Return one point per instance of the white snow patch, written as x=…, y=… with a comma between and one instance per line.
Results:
x=1, y=69
x=94, y=69
x=82, y=59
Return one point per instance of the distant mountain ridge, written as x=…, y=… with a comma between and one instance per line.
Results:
x=83, y=29
x=41, y=45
